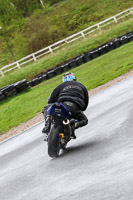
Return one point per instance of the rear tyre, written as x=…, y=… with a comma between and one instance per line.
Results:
x=54, y=141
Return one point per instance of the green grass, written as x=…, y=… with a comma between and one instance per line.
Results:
x=92, y=74
x=31, y=70
x=53, y=23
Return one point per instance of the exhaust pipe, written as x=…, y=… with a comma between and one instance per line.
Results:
x=66, y=126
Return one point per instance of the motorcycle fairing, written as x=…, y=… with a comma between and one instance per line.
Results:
x=58, y=109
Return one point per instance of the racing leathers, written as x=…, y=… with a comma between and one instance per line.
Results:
x=74, y=96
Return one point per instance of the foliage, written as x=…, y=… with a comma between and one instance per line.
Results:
x=7, y=12
x=30, y=70
x=26, y=7
x=40, y=25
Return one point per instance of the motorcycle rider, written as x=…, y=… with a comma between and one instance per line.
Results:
x=74, y=96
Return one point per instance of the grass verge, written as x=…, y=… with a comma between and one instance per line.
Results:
x=92, y=74
x=31, y=70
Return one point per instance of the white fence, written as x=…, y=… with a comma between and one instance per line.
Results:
x=51, y=48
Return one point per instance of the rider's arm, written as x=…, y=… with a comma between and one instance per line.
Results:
x=54, y=95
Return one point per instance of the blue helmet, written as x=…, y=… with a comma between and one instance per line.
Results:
x=69, y=77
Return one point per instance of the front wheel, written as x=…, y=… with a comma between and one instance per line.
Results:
x=54, y=141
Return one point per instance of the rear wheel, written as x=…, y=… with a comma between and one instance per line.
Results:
x=54, y=141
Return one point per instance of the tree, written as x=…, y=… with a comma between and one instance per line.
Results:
x=7, y=12
x=41, y=2
x=26, y=7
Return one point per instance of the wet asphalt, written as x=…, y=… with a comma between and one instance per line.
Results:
x=98, y=165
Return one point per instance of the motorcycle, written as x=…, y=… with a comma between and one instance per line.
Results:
x=61, y=129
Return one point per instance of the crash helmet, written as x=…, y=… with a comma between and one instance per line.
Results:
x=69, y=76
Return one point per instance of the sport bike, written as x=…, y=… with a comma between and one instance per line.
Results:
x=61, y=129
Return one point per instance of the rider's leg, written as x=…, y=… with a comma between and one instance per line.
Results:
x=46, y=128
x=82, y=119
x=78, y=115
x=47, y=119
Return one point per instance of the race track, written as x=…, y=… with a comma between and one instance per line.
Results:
x=98, y=165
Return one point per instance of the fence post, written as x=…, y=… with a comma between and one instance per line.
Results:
x=34, y=57
x=98, y=26
x=18, y=65
x=1, y=72
x=66, y=41
x=131, y=10
x=50, y=49
x=115, y=20
x=83, y=35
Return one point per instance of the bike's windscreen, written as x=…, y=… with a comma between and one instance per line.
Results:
x=58, y=109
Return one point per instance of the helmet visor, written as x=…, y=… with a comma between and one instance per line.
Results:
x=69, y=77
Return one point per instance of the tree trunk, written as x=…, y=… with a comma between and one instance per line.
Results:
x=41, y=2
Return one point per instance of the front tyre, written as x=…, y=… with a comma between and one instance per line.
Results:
x=54, y=141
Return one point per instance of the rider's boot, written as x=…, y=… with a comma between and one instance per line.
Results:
x=46, y=128
x=82, y=123
x=76, y=125
x=73, y=136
